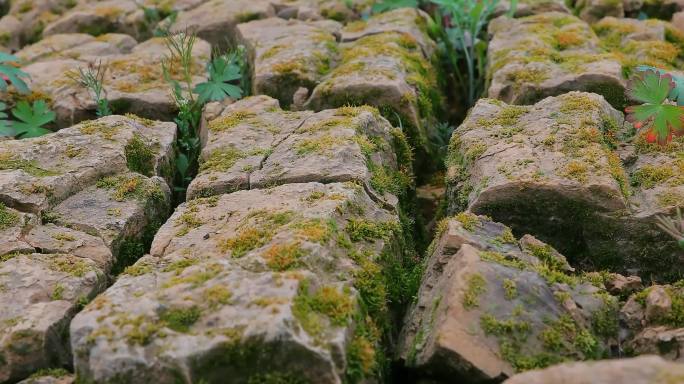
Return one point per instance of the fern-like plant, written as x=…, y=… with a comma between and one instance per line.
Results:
x=11, y=74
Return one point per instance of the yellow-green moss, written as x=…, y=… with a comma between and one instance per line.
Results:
x=476, y=286
x=139, y=156
x=128, y=187
x=222, y=160
x=9, y=162
x=468, y=220
x=7, y=218
x=282, y=257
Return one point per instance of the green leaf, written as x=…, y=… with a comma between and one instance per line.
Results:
x=651, y=87
x=12, y=73
x=657, y=115
x=388, y=5
x=221, y=71
x=5, y=125
x=32, y=118
x=182, y=164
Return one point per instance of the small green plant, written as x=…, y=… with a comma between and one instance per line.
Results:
x=158, y=20
x=458, y=28
x=189, y=111
x=10, y=74
x=673, y=226
x=30, y=120
x=92, y=78
x=387, y=5
x=662, y=112
x=222, y=70
x=464, y=23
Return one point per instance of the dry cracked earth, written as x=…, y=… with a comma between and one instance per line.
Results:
x=301, y=253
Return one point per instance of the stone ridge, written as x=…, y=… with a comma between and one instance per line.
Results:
x=72, y=213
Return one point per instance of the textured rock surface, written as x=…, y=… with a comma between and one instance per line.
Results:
x=215, y=20
x=255, y=144
x=288, y=54
x=133, y=82
x=386, y=62
x=532, y=7
x=489, y=306
x=653, y=321
x=638, y=370
x=253, y=284
x=25, y=21
x=562, y=151
x=75, y=217
x=547, y=55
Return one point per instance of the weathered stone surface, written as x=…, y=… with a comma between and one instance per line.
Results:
x=250, y=285
x=255, y=144
x=489, y=306
x=321, y=9
x=216, y=20
x=546, y=55
x=654, y=322
x=56, y=376
x=133, y=82
x=25, y=20
x=288, y=54
x=36, y=174
x=40, y=293
x=544, y=169
x=532, y=7
x=405, y=21
x=592, y=11
x=651, y=42
x=552, y=169
x=97, y=18
x=81, y=215
x=638, y=370
x=75, y=45
x=140, y=19
x=387, y=64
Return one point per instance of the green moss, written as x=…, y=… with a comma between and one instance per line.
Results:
x=8, y=162
x=605, y=321
x=137, y=269
x=319, y=145
x=508, y=116
x=506, y=237
x=230, y=120
x=311, y=308
x=364, y=359
x=197, y=278
x=524, y=76
x=57, y=292
x=246, y=240
x=648, y=176
x=217, y=295
x=132, y=187
x=71, y=265
x=180, y=319
x=52, y=372
x=476, y=286
x=222, y=160
x=139, y=156
x=8, y=219
x=468, y=220
x=365, y=230
x=510, y=289
x=282, y=257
